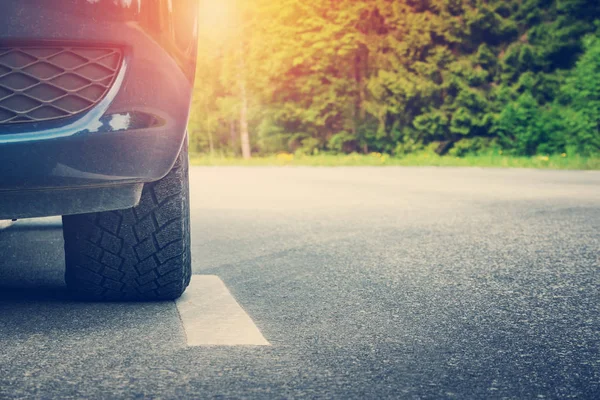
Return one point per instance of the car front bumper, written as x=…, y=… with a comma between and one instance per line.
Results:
x=132, y=136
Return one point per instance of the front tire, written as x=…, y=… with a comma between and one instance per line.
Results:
x=141, y=253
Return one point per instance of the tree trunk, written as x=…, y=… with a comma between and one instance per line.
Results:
x=210, y=142
x=244, y=135
x=210, y=134
x=360, y=75
x=232, y=135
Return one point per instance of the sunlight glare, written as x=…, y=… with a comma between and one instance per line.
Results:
x=217, y=16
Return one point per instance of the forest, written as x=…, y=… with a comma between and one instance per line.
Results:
x=396, y=77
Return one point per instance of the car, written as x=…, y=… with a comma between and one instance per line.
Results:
x=94, y=104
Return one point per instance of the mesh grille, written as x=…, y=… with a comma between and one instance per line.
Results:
x=45, y=83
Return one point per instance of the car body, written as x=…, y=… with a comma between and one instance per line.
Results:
x=94, y=104
x=99, y=158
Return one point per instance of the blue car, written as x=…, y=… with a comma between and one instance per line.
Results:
x=94, y=103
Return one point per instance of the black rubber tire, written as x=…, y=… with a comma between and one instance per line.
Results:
x=141, y=253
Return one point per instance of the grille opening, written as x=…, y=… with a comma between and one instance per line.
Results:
x=52, y=82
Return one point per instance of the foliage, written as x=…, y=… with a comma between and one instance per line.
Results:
x=399, y=76
x=582, y=91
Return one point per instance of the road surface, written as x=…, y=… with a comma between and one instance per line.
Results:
x=347, y=282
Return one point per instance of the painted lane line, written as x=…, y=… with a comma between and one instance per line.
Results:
x=212, y=317
x=5, y=223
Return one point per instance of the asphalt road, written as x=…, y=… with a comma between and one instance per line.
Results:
x=368, y=283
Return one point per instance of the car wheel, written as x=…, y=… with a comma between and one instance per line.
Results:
x=141, y=253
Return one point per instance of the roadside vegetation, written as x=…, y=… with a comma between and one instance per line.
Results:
x=415, y=159
x=438, y=82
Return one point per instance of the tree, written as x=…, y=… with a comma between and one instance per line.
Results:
x=397, y=75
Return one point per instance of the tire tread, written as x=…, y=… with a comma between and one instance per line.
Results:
x=141, y=253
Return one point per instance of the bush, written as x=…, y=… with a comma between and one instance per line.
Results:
x=472, y=146
x=583, y=90
x=519, y=127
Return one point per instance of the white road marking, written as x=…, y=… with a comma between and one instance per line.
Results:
x=211, y=316
x=5, y=223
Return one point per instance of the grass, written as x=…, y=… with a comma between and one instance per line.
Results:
x=422, y=159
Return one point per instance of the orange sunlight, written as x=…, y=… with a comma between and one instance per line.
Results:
x=217, y=17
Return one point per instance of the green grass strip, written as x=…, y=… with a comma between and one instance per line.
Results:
x=423, y=159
